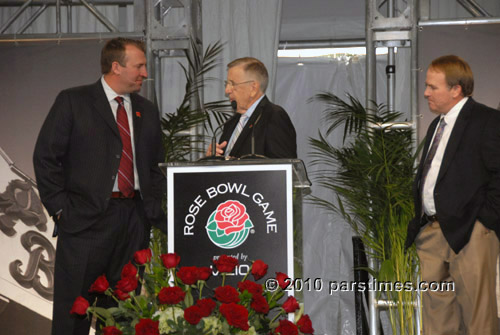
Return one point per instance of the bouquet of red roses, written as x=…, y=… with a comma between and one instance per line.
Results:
x=167, y=304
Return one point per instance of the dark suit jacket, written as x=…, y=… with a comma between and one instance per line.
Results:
x=468, y=183
x=274, y=133
x=78, y=152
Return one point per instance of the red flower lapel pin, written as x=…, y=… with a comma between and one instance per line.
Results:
x=138, y=114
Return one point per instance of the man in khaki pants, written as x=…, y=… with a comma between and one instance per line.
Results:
x=457, y=204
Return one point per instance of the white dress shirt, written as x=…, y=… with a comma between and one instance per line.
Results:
x=430, y=181
x=111, y=95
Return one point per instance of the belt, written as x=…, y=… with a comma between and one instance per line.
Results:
x=120, y=195
x=431, y=218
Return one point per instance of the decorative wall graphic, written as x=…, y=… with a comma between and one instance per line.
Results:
x=27, y=269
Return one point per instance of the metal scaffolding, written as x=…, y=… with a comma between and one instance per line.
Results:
x=153, y=22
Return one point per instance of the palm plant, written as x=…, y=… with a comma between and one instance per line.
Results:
x=191, y=113
x=372, y=180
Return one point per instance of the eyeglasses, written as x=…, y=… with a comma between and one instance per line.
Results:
x=233, y=84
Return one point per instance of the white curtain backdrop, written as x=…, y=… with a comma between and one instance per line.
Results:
x=327, y=238
x=248, y=28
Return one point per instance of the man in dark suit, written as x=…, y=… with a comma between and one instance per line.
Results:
x=457, y=204
x=256, y=117
x=96, y=164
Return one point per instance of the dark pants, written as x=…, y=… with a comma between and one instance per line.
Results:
x=103, y=249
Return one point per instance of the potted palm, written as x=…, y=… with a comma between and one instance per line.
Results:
x=372, y=183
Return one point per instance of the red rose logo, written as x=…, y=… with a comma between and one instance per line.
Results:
x=80, y=306
x=171, y=295
x=259, y=269
x=231, y=216
x=100, y=285
x=147, y=327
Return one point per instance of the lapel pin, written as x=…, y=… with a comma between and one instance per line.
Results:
x=138, y=114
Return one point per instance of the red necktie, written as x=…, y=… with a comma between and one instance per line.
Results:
x=126, y=168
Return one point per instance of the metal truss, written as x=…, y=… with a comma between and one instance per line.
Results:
x=153, y=22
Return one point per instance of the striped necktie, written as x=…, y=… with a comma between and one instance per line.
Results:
x=432, y=151
x=236, y=134
x=126, y=168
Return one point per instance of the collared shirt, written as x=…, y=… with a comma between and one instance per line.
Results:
x=248, y=115
x=127, y=103
x=430, y=181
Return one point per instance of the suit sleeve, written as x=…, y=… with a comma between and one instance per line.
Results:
x=50, y=150
x=158, y=178
x=489, y=213
x=281, y=138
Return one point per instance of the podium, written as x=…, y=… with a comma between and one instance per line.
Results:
x=248, y=209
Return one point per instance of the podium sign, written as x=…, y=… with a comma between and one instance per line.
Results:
x=244, y=211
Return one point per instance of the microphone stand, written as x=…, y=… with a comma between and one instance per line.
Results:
x=213, y=156
x=253, y=155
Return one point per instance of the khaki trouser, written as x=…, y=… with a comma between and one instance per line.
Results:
x=471, y=309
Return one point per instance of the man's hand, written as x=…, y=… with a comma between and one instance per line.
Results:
x=219, y=149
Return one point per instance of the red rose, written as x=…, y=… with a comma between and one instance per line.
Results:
x=206, y=306
x=127, y=284
x=188, y=274
x=290, y=305
x=204, y=272
x=259, y=269
x=227, y=294
x=80, y=306
x=225, y=263
x=171, y=260
x=259, y=304
x=147, y=327
x=121, y=295
x=100, y=285
x=231, y=216
x=111, y=330
x=171, y=295
x=129, y=271
x=283, y=280
x=236, y=315
x=250, y=286
x=193, y=314
x=143, y=256
x=305, y=325
x=286, y=328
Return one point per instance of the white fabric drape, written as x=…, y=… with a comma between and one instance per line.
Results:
x=248, y=28
x=326, y=238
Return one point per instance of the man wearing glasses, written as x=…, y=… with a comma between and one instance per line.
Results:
x=256, y=120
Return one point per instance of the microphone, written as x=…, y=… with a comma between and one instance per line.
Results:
x=214, y=137
x=252, y=141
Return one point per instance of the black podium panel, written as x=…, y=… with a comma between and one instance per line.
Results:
x=244, y=211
